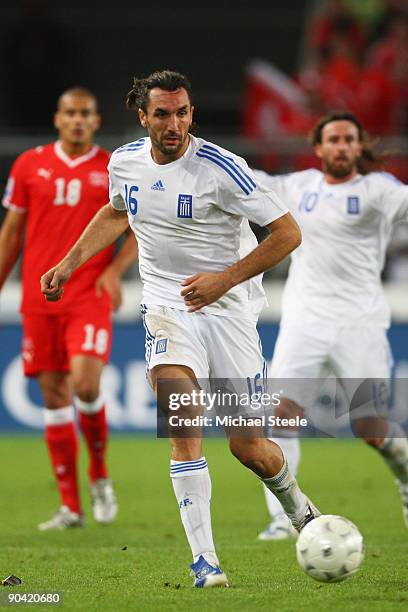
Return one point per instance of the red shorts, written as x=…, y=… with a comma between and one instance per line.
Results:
x=49, y=341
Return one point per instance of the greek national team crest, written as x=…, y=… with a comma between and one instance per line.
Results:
x=185, y=206
x=353, y=205
x=161, y=346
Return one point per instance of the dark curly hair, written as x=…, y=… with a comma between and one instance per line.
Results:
x=169, y=80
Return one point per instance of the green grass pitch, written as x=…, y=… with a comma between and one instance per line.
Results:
x=141, y=561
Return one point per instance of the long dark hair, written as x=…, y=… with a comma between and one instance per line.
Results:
x=369, y=160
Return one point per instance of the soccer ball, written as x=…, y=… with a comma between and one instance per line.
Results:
x=330, y=548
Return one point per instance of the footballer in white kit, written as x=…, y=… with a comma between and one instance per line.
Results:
x=188, y=202
x=202, y=195
x=334, y=313
x=333, y=295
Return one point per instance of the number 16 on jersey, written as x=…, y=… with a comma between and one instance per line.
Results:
x=130, y=200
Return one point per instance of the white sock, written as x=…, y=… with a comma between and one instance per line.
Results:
x=291, y=449
x=394, y=450
x=59, y=416
x=192, y=487
x=285, y=487
x=90, y=407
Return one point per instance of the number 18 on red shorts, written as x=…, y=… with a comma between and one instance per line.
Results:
x=50, y=341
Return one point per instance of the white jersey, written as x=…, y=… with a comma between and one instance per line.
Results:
x=187, y=217
x=335, y=275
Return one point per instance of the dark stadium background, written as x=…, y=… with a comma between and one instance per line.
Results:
x=103, y=44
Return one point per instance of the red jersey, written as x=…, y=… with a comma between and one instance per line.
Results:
x=60, y=196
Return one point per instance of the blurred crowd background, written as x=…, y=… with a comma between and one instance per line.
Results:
x=262, y=73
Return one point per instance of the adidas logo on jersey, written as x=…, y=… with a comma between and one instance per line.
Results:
x=158, y=186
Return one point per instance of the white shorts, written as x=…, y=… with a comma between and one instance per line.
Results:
x=352, y=353
x=214, y=347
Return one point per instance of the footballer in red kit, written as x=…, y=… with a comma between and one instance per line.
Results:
x=53, y=192
x=47, y=184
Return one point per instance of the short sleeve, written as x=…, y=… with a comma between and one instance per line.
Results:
x=116, y=199
x=16, y=195
x=242, y=193
x=394, y=199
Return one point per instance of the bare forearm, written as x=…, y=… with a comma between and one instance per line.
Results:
x=10, y=244
x=9, y=251
x=284, y=238
x=107, y=225
x=102, y=231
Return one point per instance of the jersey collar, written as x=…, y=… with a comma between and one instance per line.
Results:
x=76, y=161
x=339, y=186
x=187, y=153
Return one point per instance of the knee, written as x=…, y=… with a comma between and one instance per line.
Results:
x=86, y=389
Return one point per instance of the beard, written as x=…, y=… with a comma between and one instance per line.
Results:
x=170, y=149
x=340, y=170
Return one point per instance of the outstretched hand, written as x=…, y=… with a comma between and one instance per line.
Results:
x=205, y=288
x=52, y=283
